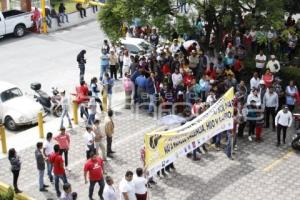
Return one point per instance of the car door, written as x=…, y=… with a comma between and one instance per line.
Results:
x=2, y=24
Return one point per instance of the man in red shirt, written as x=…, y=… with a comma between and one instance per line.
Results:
x=82, y=97
x=63, y=140
x=94, y=166
x=58, y=168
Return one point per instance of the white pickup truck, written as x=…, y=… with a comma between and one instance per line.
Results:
x=15, y=21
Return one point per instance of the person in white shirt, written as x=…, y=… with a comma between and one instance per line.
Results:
x=65, y=109
x=47, y=150
x=273, y=65
x=89, y=139
x=176, y=78
x=254, y=82
x=109, y=192
x=174, y=47
x=260, y=60
x=254, y=96
x=126, y=63
x=127, y=188
x=270, y=103
x=211, y=98
x=140, y=185
x=283, y=120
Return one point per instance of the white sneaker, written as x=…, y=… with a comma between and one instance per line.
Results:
x=250, y=138
x=68, y=169
x=108, y=159
x=202, y=150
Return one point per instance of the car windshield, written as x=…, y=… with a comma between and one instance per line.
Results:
x=10, y=94
x=145, y=46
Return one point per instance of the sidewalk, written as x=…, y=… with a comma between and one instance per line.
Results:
x=30, y=137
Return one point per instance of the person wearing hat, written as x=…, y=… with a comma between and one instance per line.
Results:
x=65, y=109
x=273, y=65
x=283, y=120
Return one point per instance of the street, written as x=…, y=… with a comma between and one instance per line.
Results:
x=51, y=59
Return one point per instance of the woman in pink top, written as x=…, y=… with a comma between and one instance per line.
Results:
x=63, y=140
x=268, y=78
x=37, y=19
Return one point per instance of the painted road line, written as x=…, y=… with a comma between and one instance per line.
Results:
x=278, y=161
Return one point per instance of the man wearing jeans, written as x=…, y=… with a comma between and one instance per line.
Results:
x=94, y=166
x=151, y=90
x=47, y=151
x=40, y=161
x=283, y=120
x=65, y=109
x=58, y=168
x=63, y=140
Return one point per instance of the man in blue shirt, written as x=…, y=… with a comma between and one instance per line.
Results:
x=151, y=90
x=141, y=83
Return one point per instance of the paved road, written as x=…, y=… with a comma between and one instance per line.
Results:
x=51, y=59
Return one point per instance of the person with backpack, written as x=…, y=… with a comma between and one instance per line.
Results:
x=81, y=63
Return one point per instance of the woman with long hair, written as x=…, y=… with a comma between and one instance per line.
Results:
x=15, y=162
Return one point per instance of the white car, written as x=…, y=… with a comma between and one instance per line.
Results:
x=136, y=45
x=15, y=21
x=17, y=109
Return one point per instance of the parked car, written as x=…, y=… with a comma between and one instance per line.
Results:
x=17, y=109
x=136, y=46
x=16, y=22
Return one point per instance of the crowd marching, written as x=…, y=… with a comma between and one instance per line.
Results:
x=174, y=79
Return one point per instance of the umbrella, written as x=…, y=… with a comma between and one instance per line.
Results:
x=171, y=120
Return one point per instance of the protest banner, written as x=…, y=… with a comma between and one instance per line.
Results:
x=163, y=148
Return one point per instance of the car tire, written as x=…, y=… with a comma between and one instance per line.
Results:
x=19, y=30
x=10, y=124
x=57, y=111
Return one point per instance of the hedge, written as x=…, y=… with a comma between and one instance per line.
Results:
x=7, y=195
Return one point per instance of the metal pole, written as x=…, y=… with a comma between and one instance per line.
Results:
x=3, y=139
x=75, y=112
x=41, y=124
x=44, y=25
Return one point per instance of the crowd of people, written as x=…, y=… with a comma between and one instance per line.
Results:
x=173, y=79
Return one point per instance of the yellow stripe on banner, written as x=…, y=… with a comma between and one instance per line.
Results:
x=278, y=161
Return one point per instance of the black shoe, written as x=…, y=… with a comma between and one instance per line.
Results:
x=43, y=190
x=152, y=182
x=18, y=191
x=164, y=174
x=45, y=186
x=112, y=152
x=110, y=156
x=51, y=180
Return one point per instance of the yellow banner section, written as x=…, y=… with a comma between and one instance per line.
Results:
x=163, y=148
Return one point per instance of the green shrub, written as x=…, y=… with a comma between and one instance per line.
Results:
x=8, y=195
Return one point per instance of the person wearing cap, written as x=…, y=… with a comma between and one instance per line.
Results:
x=65, y=109
x=273, y=65
x=63, y=140
x=283, y=120
x=113, y=59
x=260, y=60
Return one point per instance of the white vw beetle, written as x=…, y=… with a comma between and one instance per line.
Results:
x=17, y=109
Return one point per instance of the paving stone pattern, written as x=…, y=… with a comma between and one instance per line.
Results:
x=214, y=177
